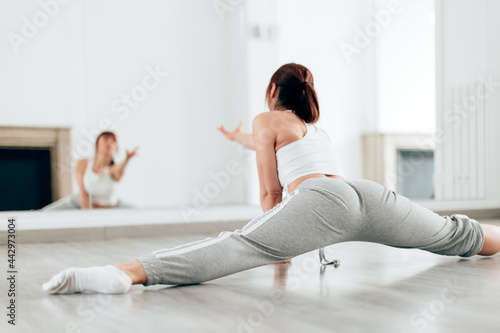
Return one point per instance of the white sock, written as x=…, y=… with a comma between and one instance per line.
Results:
x=104, y=279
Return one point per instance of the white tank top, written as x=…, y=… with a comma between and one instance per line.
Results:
x=313, y=153
x=100, y=186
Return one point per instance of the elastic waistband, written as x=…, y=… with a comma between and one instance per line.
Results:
x=310, y=181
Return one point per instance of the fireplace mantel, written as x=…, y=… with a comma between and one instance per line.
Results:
x=380, y=154
x=56, y=139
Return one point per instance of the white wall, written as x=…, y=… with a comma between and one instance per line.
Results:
x=262, y=61
x=404, y=65
x=41, y=73
x=88, y=56
x=467, y=54
x=310, y=33
x=379, y=83
x=36, y=79
x=493, y=104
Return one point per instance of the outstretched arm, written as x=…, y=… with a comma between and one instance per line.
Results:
x=118, y=170
x=237, y=135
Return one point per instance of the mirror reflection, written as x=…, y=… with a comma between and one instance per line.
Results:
x=178, y=78
x=97, y=178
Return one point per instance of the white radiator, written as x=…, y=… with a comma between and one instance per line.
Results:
x=460, y=158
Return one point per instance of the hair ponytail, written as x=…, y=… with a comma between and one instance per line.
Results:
x=310, y=111
x=296, y=91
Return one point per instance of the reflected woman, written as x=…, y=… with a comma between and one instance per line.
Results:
x=97, y=178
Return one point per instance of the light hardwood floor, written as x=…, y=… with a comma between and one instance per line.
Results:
x=375, y=289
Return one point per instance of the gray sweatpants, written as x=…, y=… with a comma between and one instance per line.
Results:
x=320, y=212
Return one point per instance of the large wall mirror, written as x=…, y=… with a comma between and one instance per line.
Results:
x=163, y=75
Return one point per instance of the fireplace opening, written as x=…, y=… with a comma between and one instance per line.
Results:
x=25, y=178
x=415, y=174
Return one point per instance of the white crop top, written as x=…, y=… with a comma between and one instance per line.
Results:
x=100, y=186
x=313, y=153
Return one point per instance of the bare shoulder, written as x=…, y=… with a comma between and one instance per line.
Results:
x=264, y=129
x=262, y=118
x=274, y=121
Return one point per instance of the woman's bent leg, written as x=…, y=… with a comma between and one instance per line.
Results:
x=301, y=223
x=307, y=219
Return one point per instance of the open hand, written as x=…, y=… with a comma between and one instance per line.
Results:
x=231, y=135
x=131, y=153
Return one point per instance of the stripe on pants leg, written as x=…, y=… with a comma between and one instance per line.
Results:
x=194, y=246
x=249, y=227
x=260, y=220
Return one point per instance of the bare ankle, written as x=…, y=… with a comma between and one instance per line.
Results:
x=134, y=270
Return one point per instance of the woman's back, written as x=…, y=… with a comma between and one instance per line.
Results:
x=288, y=128
x=302, y=149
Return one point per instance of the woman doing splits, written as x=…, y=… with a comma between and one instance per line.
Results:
x=97, y=178
x=320, y=208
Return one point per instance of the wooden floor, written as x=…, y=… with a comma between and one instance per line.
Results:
x=375, y=289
